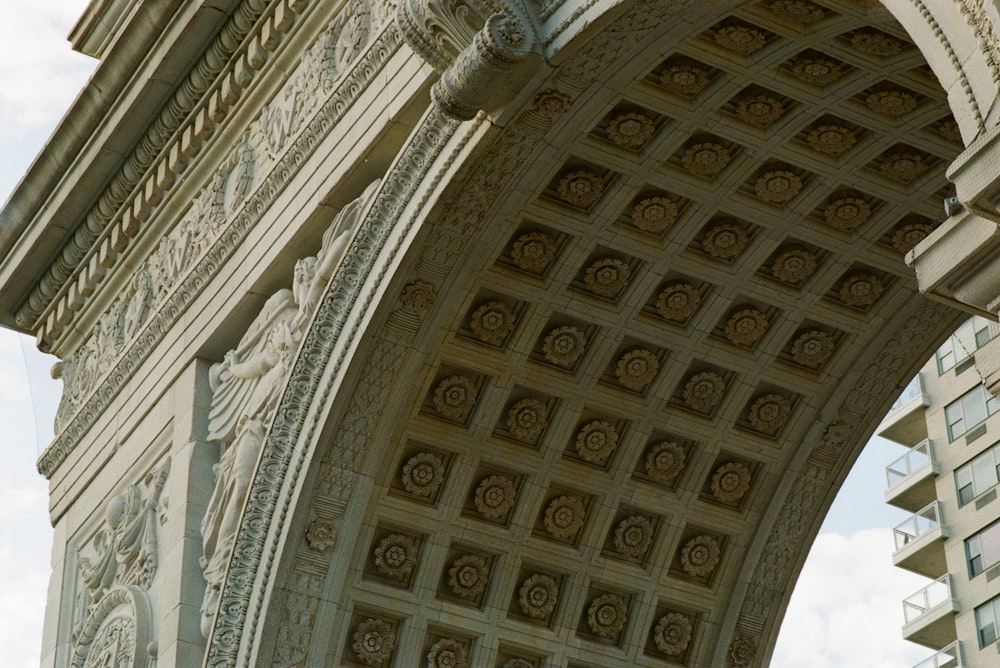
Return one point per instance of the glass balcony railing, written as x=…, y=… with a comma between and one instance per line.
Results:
x=949, y=657
x=928, y=598
x=912, y=390
x=917, y=525
x=915, y=457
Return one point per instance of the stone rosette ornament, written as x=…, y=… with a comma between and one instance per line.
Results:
x=423, y=475
x=742, y=651
x=455, y=397
x=725, y=241
x=685, y=80
x=746, y=326
x=664, y=461
x=800, y=11
x=672, y=633
x=563, y=346
x=761, y=110
x=700, y=555
x=321, y=535
x=447, y=653
x=949, y=129
x=861, y=290
x=654, y=214
x=678, y=301
x=847, y=213
x=552, y=103
x=596, y=440
x=607, y=277
x=373, y=641
x=607, y=615
x=633, y=536
x=418, y=297
x=769, y=412
x=493, y=322
x=396, y=556
x=538, y=596
x=637, y=368
x=468, y=576
x=831, y=139
x=778, y=186
x=706, y=158
x=891, y=103
x=704, y=390
x=581, y=188
x=876, y=43
x=631, y=130
x=740, y=39
x=534, y=252
x=495, y=497
x=904, y=166
x=564, y=517
x=794, y=265
x=812, y=348
x=906, y=236
x=527, y=419
x=730, y=482
x=816, y=71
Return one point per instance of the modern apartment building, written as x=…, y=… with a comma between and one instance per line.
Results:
x=948, y=480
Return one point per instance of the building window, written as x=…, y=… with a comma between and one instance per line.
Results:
x=986, y=621
x=978, y=476
x=983, y=549
x=967, y=339
x=969, y=410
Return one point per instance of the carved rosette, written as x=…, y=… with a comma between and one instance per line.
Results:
x=706, y=158
x=493, y=322
x=527, y=419
x=760, y=110
x=581, y=188
x=538, y=596
x=684, y=80
x=742, y=652
x=563, y=346
x=664, y=461
x=730, y=482
x=816, y=71
x=373, y=641
x=746, y=326
x=596, y=441
x=321, y=535
x=607, y=615
x=743, y=40
x=552, y=103
x=794, y=265
x=769, y=412
x=607, y=277
x=633, y=536
x=672, y=633
x=831, y=139
x=455, y=397
x=949, y=129
x=423, y=475
x=418, y=297
x=891, y=102
x=396, y=556
x=725, y=240
x=564, y=517
x=876, y=43
x=703, y=391
x=700, y=556
x=778, y=187
x=904, y=166
x=861, y=290
x=654, y=214
x=905, y=237
x=637, y=368
x=847, y=213
x=678, y=301
x=447, y=653
x=631, y=130
x=468, y=576
x=495, y=497
x=800, y=11
x=533, y=252
x=812, y=348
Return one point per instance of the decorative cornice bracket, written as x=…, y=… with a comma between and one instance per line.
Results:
x=485, y=50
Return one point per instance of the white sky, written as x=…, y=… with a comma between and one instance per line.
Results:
x=846, y=610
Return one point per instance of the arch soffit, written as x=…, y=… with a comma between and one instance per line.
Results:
x=832, y=441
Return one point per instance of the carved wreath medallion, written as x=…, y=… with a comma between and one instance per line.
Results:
x=564, y=517
x=596, y=441
x=769, y=412
x=730, y=482
x=455, y=397
x=700, y=556
x=664, y=460
x=527, y=419
x=563, y=346
x=704, y=390
x=538, y=596
x=373, y=641
x=495, y=496
x=672, y=633
x=654, y=214
x=607, y=615
x=678, y=301
x=633, y=536
x=533, y=252
x=468, y=576
x=447, y=653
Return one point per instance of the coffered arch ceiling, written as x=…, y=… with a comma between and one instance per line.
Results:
x=674, y=311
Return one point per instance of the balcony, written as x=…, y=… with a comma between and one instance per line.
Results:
x=929, y=615
x=904, y=423
x=920, y=542
x=910, y=479
x=949, y=657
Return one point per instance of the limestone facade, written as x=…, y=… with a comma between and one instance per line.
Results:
x=483, y=332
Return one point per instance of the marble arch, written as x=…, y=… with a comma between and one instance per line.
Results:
x=599, y=346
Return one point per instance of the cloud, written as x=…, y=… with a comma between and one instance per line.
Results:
x=846, y=609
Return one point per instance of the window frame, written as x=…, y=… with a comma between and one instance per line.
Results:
x=991, y=606
x=974, y=550
x=966, y=471
x=963, y=404
x=968, y=337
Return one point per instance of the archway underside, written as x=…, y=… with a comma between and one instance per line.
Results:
x=661, y=316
